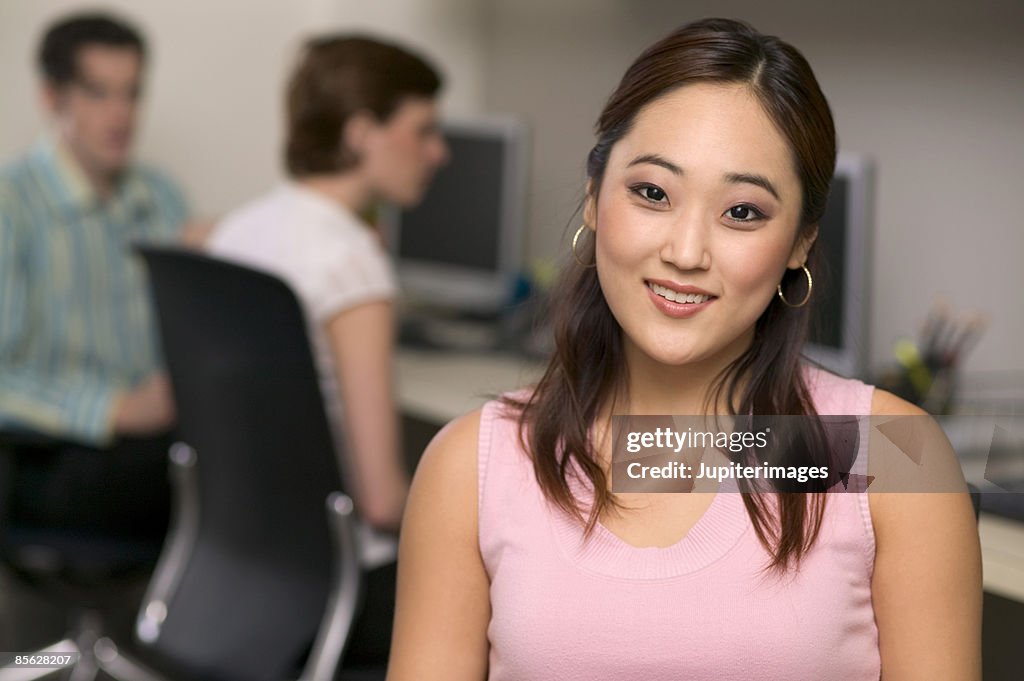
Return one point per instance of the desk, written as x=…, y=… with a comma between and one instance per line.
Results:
x=436, y=387
x=1002, y=555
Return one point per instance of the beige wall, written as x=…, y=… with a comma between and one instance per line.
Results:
x=933, y=93
x=216, y=79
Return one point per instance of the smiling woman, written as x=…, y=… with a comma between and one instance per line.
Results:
x=715, y=213
x=685, y=296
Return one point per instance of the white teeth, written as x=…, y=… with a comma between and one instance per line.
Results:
x=677, y=297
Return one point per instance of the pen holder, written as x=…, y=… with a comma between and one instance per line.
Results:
x=939, y=397
x=931, y=387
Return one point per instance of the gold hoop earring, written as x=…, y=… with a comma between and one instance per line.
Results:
x=575, y=238
x=810, y=287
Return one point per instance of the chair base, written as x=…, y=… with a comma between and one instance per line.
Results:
x=94, y=652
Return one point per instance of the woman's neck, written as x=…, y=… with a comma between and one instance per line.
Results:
x=349, y=189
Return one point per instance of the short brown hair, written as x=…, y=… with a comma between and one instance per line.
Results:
x=336, y=77
x=65, y=39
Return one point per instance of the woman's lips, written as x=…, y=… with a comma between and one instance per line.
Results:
x=681, y=307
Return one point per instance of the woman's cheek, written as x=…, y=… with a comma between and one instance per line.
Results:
x=626, y=240
x=752, y=269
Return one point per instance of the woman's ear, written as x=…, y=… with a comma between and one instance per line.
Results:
x=803, y=244
x=590, y=207
x=355, y=135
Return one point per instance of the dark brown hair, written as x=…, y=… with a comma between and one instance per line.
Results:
x=588, y=365
x=65, y=38
x=338, y=76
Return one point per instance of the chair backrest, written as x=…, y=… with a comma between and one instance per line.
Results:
x=247, y=588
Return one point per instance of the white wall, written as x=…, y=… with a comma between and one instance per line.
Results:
x=215, y=91
x=932, y=92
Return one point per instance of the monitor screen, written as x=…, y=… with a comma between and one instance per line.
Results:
x=459, y=220
x=460, y=247
x=827, y=323
x=839, y=333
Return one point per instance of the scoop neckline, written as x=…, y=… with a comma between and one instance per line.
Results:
x=715, y=534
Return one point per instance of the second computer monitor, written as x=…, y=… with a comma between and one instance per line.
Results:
x=840, y=329
x=460, y=248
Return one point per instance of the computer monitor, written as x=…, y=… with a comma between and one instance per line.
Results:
x=460, y=248
x=839, y=338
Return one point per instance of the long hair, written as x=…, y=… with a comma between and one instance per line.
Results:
x=587, y=367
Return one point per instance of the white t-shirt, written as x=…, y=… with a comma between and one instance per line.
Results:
x=332, y=261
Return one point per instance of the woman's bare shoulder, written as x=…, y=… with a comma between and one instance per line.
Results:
x=919, y=484
x=884, y=403
x=443, y=495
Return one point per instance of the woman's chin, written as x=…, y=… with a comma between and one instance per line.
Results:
x=674, y=357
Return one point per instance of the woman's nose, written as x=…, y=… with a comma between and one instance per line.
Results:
x=686, y=244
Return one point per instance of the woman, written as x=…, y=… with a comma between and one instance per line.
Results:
x=686, y=296
x=362, y=128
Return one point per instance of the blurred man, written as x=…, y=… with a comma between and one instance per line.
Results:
x=79, y=362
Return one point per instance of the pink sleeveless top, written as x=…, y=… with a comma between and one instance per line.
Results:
x=699, y=610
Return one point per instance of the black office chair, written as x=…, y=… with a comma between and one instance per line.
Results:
x=255, y=570
x=87, y=563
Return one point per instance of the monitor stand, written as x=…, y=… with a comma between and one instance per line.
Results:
x=447, y=332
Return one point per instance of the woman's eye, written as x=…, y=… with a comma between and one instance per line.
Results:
x=651, y=193
x=744, y=213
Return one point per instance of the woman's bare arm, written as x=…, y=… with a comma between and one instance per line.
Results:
x=927, y=580
x=443, y=604
x=362, y=340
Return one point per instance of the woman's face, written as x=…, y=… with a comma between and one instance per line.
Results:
x=401, y=154
x=696, y=221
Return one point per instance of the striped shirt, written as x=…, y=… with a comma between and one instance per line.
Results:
x=76, y=326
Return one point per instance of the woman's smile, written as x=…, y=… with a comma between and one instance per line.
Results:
x=678, y=301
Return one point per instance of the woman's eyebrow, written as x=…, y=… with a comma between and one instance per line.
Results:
x=731, y=178
x=657, y=160
x=754, y=179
